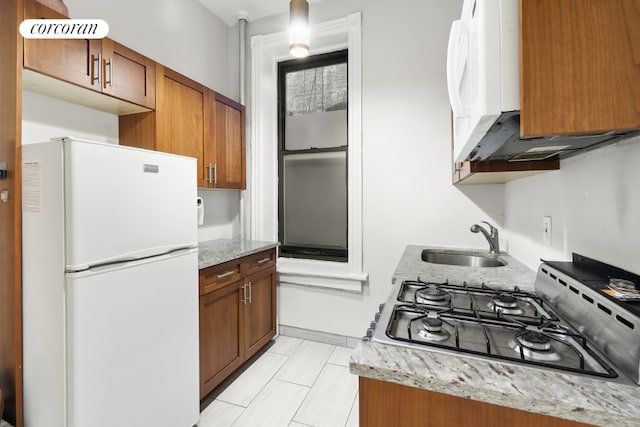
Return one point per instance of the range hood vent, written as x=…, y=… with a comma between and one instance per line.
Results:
x=502, y=142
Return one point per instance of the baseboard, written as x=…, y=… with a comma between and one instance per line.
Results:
x=319, y=336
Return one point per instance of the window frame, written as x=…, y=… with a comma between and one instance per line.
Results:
x=314, y=252
x=261, y=199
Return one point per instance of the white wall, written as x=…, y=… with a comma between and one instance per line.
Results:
x=180, y=34
x=44, y=118
x=408, y=196
x=594, y=202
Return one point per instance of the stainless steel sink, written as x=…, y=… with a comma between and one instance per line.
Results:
x=462, y=258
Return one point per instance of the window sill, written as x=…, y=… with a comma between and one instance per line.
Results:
x=325, y=274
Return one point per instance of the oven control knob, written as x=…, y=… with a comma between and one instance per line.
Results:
x=373, y=325
x=380, y=308
x=370, y=332
x=376, y=317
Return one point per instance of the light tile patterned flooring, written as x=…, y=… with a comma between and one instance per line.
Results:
x=294, y=383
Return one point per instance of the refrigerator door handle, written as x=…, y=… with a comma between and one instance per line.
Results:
x=132, y=258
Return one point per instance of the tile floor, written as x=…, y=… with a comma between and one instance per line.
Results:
x=294, y=383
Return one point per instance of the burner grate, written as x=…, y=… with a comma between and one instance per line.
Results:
x=472, y=331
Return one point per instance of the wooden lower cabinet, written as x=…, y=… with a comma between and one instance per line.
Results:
x=237, y=315
x=384, y=404
x=260, y=310
x=221, y=326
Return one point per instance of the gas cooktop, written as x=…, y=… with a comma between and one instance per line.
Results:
x=552, y=328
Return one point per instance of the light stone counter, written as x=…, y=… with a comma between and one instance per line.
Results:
x=514, y=273
x=214, y=252
x=576, y=397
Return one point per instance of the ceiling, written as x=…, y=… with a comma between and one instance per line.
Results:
x=230, y=10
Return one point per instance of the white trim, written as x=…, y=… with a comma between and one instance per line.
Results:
x=327, y=274
x=266, y=52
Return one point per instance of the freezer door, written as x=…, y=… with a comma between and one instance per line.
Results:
x=132, y=349
x=123, y=202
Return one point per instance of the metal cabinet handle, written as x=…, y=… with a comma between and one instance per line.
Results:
x=262, y=261
x=96, y=62
x=109, y=64
x=250, y=287
x=228, y=273
x=210, y=178
x=215, y=173
x=244, y=294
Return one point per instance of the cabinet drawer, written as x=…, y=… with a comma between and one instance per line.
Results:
x=257, y=262
x=215, y=277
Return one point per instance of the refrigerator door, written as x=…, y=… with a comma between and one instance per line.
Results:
x=126, y=203
x=132, y=344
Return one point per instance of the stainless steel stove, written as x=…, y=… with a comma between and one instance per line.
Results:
x=567, y=324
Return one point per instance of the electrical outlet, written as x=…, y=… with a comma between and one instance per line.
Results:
x=546, y=230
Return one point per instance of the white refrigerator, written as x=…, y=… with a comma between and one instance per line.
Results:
x=110, y=286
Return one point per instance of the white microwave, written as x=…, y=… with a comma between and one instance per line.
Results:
x=483, y=70
x=483, y=78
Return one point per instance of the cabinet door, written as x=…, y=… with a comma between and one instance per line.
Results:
x=382, y=403
x=221, y=335
x=229, y=143
x=580, y=66
x=180, y=118
x=127, y=74
x=260, y=310
x=72, y=60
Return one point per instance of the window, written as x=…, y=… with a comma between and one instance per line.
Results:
x=312, y=157
x=261, y=198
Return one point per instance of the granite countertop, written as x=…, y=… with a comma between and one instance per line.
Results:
x=576, y=397
x=214, y=252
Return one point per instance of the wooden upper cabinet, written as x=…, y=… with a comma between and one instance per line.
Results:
x=126, y=74
x=179, y=124
x=580, y=66
x=181, y=118
x=65, y=59
x=101, y=65
x=229, y=159
x=192, y=120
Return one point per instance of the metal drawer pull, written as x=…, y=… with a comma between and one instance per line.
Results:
x=228, y=273
x=262, y=261
x=249, y=292
x=109, y=64
x=244, y=294
x=96, y=76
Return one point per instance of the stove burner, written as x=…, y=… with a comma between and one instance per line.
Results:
x=534, y=345
x=432, y=330
x=534, y=340
x=505, y=301
x=432, y=324
x=433, y=296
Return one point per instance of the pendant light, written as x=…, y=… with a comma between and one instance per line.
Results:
x=299, y=28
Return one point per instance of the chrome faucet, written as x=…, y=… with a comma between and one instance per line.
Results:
x=491, y=236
